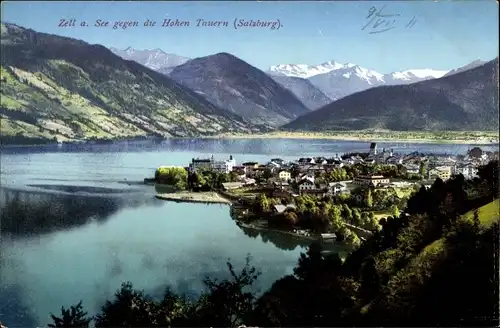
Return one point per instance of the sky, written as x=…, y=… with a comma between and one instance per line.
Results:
x=445, y=35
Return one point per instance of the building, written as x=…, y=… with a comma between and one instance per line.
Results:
x=307, y=184
x=232, y=185
x=337, y=187
x=250, y=165
x=278, y=209
x=285, y=175
x=316, y=192
x=468, y=170
x=412, y=168
x=370, y=180
x=200, y=164
x=273, y=166
x=278, y=161
x=306, y=161
x=328, y=237
x=442, y=172
x=394, y=160
x=213, y=165
x=373, y=148
x=320, y=160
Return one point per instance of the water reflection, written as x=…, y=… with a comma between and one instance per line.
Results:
x=282, y=241
x=28, y=213
x=288, y=242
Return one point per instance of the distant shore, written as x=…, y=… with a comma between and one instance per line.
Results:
x=444, y=137
x=454, y=138
x=194, y=197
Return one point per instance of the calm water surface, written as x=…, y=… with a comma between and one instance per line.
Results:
x=89, y=223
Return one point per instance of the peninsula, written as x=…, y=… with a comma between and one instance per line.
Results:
x=343, y=198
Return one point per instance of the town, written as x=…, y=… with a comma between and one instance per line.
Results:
x=345, y=197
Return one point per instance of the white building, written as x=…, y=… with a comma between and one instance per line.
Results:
x=412, y=168
x=370, y=180
x=307, y=184
x=442, y=172
x=468, y=170
x=337, y=187
x=211, y=164
x=394, y=160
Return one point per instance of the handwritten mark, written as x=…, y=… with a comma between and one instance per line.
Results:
x=380, y=22
x=411, y=23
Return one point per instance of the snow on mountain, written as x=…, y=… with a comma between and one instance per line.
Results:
x=155, y=59
x=338, y=80
x=304, y=71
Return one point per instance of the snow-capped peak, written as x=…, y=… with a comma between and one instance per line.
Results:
x=306, y=71
x=413, y=74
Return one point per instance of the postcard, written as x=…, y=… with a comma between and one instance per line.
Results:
x=249, y=163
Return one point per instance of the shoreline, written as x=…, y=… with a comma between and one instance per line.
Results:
x=367, y=138
x=257, y=227
x=194, y=197
x=456, y=137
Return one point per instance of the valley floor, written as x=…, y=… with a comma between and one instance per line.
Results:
x=445, y=137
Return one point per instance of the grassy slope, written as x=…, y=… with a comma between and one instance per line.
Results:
x=69, y=115
x=421, y=266
x=488, y=214
x=53, y=86
x=41, y=90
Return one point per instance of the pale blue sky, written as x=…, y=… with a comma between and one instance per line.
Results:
x=445, y=36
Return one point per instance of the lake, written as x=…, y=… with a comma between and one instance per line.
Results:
x=85, y=222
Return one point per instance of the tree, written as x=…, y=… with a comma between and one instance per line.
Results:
x=267, y=174
x=233, y=176
x=174, y=176
x=262, y=203
x=291, y=218
x=369, y=198
x=370, y=280
x=336, y=222
x=72, y=317
x=347, y=212
x=129, y=308
x=228, y=303
x=394, y=211
x=356, y=217
x=423, y=168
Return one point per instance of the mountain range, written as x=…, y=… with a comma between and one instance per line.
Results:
x=164, y=63
x=465, y=100
x=338, y=80
x=58, y=87
x=314, y=85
